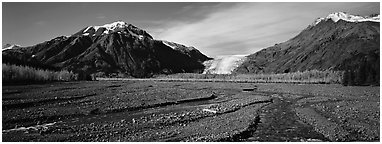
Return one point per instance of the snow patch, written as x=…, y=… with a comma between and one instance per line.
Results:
x=223, y=64
x=109, y=27
x=11, y=47
x=167, y=44
x=335, y=17
x=96, y=27
x=86, y=29
x=112, y=26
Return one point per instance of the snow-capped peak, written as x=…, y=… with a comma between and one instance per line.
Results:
x=120, y=27
x=108, y=27
x=335, y=17
x=113, y=26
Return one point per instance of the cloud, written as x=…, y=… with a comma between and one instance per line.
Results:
x=244, y=28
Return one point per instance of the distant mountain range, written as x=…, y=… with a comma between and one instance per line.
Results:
x=117, y=47
x=338, y=42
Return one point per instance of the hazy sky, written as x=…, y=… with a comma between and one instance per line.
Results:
x=213, y=28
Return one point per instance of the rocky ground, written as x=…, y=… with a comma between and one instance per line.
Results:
x=189, y=111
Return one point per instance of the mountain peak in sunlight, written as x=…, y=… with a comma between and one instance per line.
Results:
x=335, y=17
x=119, y=27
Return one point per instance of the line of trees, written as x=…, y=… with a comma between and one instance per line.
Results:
x=364, y=74
x=363, y=69
x=312, y=76
x=26, y=74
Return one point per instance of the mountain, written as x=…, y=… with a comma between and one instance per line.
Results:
x=339, y=42
x=223, y=64
x=117, y=47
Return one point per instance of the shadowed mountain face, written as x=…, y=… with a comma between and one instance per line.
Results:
x=326, y=45
x=113, y=48
x=190, y=51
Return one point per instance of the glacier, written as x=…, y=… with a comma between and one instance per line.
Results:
x=223, y=64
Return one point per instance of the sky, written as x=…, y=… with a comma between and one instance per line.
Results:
x=215, y=29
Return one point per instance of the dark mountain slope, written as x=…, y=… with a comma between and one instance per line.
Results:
x=329, y=45
x=322, y=47
x=190, y=51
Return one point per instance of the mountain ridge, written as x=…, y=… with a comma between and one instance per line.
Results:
x=117, y=47
x=348, y=17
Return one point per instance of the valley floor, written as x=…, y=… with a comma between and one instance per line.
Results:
x=189, y=111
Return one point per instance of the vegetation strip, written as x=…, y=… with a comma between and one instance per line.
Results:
x=26, y=74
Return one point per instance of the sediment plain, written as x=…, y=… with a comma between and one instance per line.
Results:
x=189, y=111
